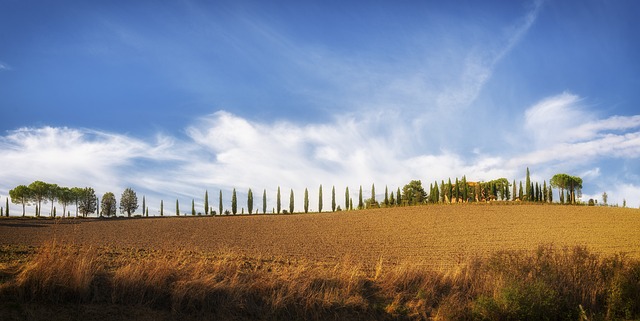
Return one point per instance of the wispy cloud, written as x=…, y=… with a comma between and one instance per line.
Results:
x=482, y=59
x=4, y=66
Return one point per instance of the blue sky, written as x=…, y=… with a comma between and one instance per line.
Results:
x=175, y=97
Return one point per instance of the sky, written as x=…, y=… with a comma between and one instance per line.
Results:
x=173, y=98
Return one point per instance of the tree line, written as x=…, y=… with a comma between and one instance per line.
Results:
x=85, y=200
x=457, y=191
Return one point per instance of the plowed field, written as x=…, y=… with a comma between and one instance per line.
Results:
x=429, y=235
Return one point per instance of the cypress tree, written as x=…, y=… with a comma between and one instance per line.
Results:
x=250, y=201
x=177, y=208
x=291, y=202
x=465, y=189
x=206, y=202
x=234, y=202
x=544, y=191
x=515, y=192
x=6, y=208
x=520, y=192
x=220, y=203
x=449, y=191
x=351, y=204
x=456, y=191
x=532, y=192
x=306, y=200
x=392, y=200
x=278, y=207
x=193, y=207
x=333, y=198
x=161, y=208
x=436, y=192
x=528, y=185
x=507, y=196
x=346, y=198
x=147, y=212
x=386, y=196
x=373, y=193
x=360, y=202
x=493, y=192
x=398, y=197
x=264, y=201
x=431, y=193
x=550, y=196
x=320, y=199
x=143, y=204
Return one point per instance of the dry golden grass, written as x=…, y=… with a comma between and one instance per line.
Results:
x=547, y=284
x=480, y=262
x=428, y=235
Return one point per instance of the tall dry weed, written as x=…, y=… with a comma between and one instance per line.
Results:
x=59, y=274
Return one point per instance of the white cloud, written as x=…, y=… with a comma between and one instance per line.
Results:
x=74, y=157
x=4, y=66
x=225, y=151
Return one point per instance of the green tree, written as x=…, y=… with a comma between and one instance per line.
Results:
x=291, y=202
x=128, y=201
x=220, y=208
x=360, y=202
x=306, y=201
x=373, y=194
x=21, y=194
x=572, y=184
x=278, y=203
x=193, y=207
x=77, y=195
x=436, y=193
x=250, y=201
x=450, y=191
x=234, y=202
x=161, y=208
x=413, y=193
x=87, y=203
x=6, y=208
x=386, y=196
x=177, y=207
x=333, y=198
x=463, y=186
x=506, y=191
x=52, y=195
x=206, y=202
x=39, y=192
x=398, y=197
x=346, y=198
x=320, y=199
x=528, y=185
x=456, y=191
x=515, y=191
x=520, y=191
x=108, y=204
x=264, y=201
x=392, y=200
x=544, y=191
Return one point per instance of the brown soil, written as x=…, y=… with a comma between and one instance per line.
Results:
x=431, y=235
